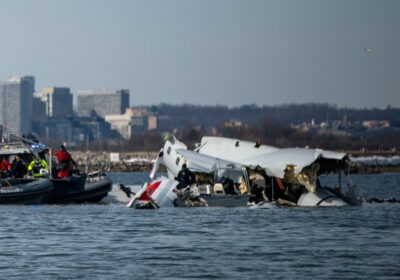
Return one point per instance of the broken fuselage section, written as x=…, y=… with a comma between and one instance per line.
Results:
x=292, y=175
x=231, y=173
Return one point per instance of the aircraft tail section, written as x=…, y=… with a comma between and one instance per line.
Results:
x=158, y=193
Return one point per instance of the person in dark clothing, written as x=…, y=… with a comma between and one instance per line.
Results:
x=258, y=192
x=229, y=186
x=185, y=177
x=18, y=168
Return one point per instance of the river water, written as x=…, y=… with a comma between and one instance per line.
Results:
x=114, y=242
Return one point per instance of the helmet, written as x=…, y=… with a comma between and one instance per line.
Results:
x=44, y=171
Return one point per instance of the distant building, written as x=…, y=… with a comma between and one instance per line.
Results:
x=57, y=100
x=152, y=122
x=133, y=121
x=16, y=97
x=120, y=123
x=38, y=110
x=74, y=130
x=102, y=102
x=232, y=124
x=376, y=124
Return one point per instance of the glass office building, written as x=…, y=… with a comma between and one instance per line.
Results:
x=16, y=96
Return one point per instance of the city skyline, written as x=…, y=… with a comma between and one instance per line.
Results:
x=105, y=115
x=228, y=53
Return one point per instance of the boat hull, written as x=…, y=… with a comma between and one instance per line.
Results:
x=24, y=191
x=78, y=189
x=213, y=201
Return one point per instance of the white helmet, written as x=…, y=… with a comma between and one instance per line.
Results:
x=44, y=172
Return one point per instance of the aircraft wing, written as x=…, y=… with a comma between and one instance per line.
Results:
x=205, y=163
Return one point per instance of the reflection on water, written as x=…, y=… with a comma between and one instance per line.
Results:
x=111, y=241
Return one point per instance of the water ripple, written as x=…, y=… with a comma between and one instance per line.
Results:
x=110, y=241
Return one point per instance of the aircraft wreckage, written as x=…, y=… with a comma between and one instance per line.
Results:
x=229, y=173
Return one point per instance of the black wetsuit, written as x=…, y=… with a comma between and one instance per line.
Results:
x=18, y=169
x=185, y=177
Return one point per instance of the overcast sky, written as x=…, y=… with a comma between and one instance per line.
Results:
x=209, y=52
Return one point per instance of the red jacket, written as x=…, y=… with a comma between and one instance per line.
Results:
x=4, y=165
x=62, y=156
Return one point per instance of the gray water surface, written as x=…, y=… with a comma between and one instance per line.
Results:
x=114, y=242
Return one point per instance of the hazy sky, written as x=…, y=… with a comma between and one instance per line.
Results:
x=208, y=52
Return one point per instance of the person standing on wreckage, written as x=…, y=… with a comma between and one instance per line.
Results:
x=185, y=177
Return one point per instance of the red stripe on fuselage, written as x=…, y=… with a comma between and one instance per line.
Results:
x=146, y=196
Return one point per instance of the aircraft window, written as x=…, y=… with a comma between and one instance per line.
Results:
x=169, y=150
x=178, y=159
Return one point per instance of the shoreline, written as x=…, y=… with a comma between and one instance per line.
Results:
x=143, y=162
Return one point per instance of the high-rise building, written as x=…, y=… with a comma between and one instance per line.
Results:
x=38, y=110
x=102, y=102
x=16, y=96
x=58, y=101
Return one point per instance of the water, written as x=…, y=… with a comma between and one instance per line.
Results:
x=114, y=242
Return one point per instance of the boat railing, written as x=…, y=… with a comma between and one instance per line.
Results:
x=95, y=169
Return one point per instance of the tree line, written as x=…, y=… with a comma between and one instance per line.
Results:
x=270, y=125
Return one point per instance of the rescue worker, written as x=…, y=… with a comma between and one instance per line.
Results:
x=36, y=167
x=18, y=167
x=256, y=190
x=65, y=163
x=4, y=168
x=185, y=177
x=229, y=186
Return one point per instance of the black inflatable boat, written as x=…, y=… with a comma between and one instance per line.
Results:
x=79, y=189
x=24, y=191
